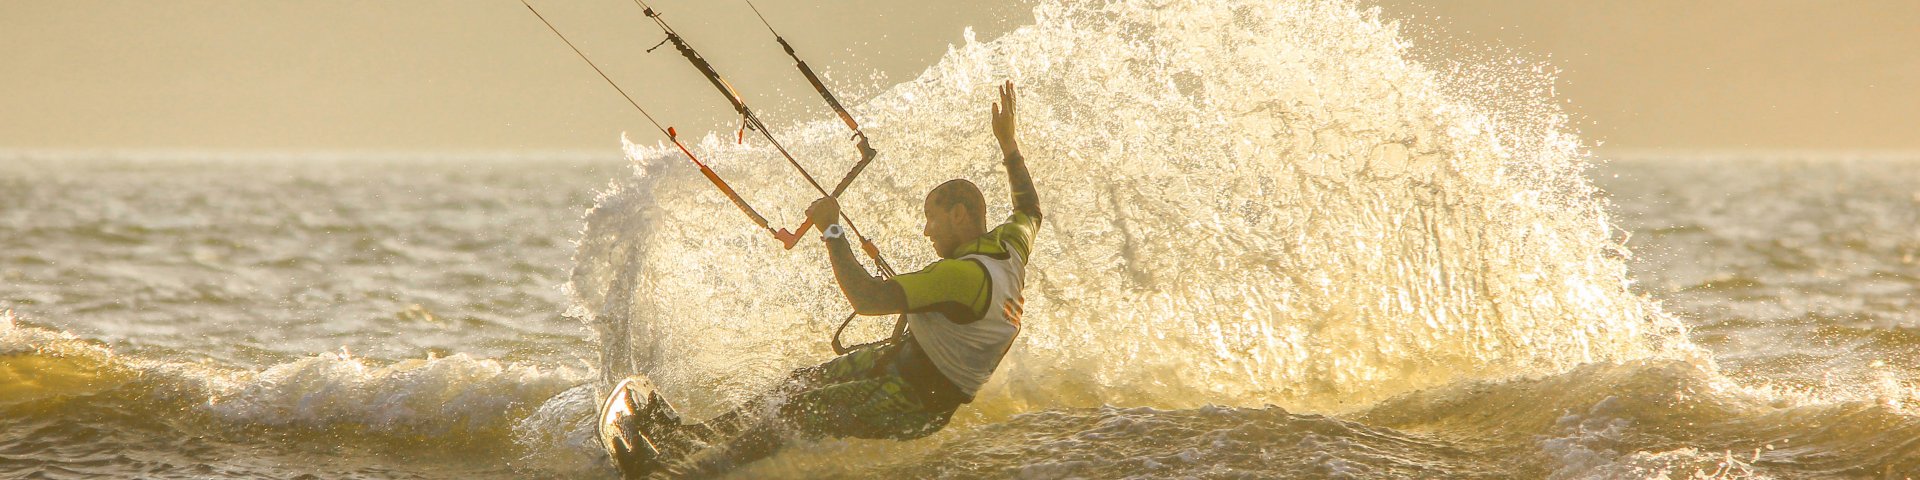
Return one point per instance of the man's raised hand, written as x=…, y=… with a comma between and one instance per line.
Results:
x=1003, y=121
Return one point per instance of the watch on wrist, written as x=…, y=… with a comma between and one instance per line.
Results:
x=833, y=232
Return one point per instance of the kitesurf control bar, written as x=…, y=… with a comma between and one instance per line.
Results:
x=788, y=238
x=866, y=156
x=866, y=151
x=752, y=121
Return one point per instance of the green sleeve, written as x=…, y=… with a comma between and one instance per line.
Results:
x=1017, y=233
x=952, y=287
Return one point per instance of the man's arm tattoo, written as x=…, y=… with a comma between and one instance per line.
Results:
x=1025, y=198
x=869, y=295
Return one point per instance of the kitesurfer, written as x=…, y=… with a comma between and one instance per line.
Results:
x=963, y=312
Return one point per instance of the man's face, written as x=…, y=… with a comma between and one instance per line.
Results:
x=943, y=226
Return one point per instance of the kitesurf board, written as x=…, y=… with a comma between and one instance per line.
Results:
x=624, y=420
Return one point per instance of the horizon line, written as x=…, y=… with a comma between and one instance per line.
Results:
x=291, y=154
x=504, y=154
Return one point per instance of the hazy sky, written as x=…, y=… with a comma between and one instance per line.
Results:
x=485, y=74
x=1798, y=74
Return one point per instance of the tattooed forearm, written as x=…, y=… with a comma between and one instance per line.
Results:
x=869, y=295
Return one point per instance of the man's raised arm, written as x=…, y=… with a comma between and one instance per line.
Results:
x=1025, y=198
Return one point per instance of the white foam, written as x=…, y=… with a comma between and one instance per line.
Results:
x=434, y=396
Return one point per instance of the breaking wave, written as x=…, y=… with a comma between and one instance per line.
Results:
x=72, y=393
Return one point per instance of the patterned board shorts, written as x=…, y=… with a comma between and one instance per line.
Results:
x=862, y=395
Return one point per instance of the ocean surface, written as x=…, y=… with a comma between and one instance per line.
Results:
x=1281, y=243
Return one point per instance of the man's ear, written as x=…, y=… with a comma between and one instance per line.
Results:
x=960, y=214
x=955, y=214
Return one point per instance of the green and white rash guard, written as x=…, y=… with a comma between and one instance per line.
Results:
x=964, y=311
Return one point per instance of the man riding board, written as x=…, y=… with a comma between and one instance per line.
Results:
x=963, y=313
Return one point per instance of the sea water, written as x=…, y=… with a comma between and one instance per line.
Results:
x=1279, y=242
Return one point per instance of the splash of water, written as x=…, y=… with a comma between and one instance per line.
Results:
x=1248, y=202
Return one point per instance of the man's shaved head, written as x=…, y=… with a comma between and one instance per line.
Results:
x=961, y=192
x=950, y=227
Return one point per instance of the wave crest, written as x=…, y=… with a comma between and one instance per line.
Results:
x=436, y=404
